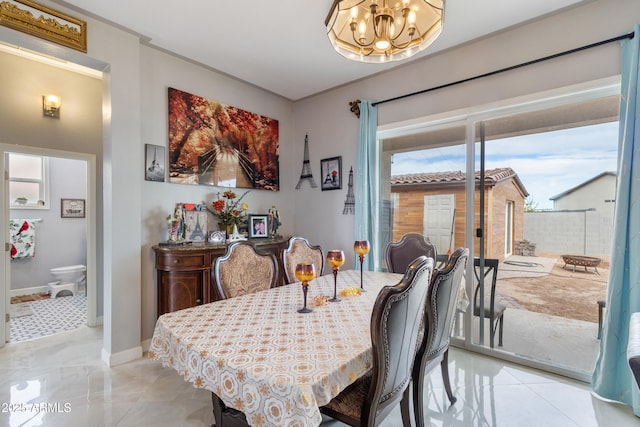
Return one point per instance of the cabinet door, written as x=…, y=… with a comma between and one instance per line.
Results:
x=179, y=289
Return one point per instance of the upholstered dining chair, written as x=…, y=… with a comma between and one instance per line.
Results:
x=397, y=315
x=400, y=254
x=494, y=311
x=243, y=270
x=300, y=250
x=435, y=333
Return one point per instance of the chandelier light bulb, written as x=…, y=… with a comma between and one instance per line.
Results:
x=382, y=44
x=412, y=18
x=362, y=28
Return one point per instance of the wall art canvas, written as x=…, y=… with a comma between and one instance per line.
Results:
x=219, y=145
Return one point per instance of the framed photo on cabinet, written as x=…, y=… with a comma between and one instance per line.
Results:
x=258, y=226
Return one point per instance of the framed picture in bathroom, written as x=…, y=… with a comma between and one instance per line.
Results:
x=72, y=208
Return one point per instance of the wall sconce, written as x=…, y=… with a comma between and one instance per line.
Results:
x=51, y=105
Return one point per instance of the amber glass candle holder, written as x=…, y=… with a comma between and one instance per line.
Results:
x=335, y=259
x=361, y=247
x=305, y=272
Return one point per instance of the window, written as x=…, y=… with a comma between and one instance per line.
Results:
x=28, y=186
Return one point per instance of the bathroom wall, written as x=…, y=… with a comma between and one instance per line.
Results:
x=59, y=241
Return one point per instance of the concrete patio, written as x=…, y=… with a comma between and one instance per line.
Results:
x=563, y=335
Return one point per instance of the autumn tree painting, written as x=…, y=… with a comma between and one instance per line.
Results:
x=215, y=144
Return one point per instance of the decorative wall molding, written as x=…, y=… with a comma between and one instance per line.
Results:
x=48, y=24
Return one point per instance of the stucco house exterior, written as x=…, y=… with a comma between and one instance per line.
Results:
x=434, y=204
x=597, y=193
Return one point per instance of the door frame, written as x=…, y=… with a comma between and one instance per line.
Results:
x=90, y=217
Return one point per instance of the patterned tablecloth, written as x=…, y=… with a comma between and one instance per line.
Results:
x=262, y=357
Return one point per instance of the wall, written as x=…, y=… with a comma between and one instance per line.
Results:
x=59, y=241
x=158, y=199
x=587, y=232
x=592, y=22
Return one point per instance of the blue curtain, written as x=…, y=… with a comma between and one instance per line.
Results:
x=365, y=191
x=612, y=377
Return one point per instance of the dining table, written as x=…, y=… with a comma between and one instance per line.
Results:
x=262, y=357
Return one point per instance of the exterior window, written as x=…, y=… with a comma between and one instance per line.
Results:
x=28, y=186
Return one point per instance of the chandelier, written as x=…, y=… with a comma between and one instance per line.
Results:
x=379, y=31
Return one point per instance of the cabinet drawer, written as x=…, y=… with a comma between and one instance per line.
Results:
x=181, y=261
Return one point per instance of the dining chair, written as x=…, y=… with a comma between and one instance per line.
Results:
x=395, y=321
x=400, y=254
x=493, y=311
x=244, y=270
x=300, y=250
x=435, y=333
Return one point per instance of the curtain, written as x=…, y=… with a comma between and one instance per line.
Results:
x=612, y=377
x=365, y=185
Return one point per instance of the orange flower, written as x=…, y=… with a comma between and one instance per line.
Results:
x=228, y=208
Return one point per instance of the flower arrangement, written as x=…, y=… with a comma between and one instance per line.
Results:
x=229, y=209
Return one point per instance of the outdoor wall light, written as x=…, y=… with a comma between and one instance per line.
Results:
x=51, y=105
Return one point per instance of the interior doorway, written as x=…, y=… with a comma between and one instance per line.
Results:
x=58, y=238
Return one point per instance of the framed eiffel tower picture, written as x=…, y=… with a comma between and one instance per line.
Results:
x=331, y=170
x=154, y=163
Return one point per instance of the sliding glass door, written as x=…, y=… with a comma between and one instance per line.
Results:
x=522, y=186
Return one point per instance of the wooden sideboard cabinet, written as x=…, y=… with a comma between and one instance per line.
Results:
x=184, y=271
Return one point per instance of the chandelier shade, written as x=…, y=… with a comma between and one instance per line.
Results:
x=378, y=31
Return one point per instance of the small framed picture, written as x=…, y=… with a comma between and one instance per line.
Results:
x=258, y=226
x=154, y=163
x=331, y=170
x=72, y=208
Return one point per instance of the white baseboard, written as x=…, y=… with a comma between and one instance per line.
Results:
x=145, y=345
x=121, y=357
x=28, y=291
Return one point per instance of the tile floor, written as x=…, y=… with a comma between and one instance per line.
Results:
x=36, y=319
x=64, y=372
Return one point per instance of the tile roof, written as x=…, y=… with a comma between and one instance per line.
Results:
x=490, y=176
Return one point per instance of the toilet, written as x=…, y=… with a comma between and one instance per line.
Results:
x=67, y=279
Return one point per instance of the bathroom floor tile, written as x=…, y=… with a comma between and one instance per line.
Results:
x=36, y=319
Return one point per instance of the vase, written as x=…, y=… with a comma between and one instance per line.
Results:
x=227, y=228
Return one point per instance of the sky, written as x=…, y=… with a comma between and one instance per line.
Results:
x=547, y=163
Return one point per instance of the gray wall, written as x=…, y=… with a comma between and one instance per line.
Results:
x=586, y=232
x=59, y=241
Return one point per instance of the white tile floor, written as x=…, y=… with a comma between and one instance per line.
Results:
x=64, y=371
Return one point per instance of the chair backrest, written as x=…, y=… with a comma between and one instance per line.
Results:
x=441, y=304
x=490, y=269
x=397, y=315
x=412, y=245
x=243, y=270
x=300, y=250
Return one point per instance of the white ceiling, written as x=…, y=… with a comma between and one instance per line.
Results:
x=281, y=45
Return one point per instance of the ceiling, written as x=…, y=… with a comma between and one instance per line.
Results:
x=281, y=45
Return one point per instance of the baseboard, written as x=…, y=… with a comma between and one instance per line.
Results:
x=28, y=291
x=145, y=345
x=121, y=357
